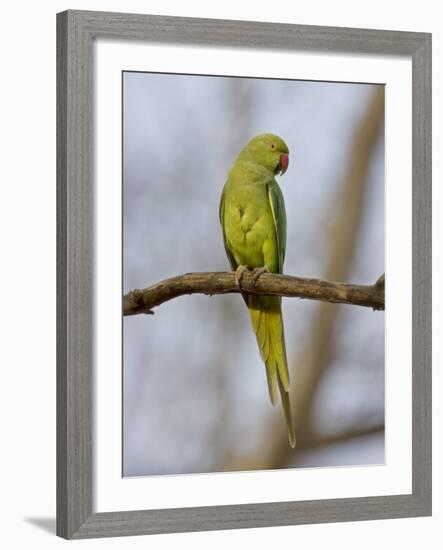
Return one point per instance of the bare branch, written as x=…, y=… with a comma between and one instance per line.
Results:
x=381, y=280
x=314, y=440
x=142, y=301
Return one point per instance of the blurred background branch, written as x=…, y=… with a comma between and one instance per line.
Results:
x=314, y=359
x=142, y=301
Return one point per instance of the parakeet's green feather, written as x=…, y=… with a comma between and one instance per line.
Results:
x=253, y=219
x=279, y=215
x=288, y=414
x=228, y=253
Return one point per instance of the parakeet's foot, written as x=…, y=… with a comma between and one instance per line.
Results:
x=259, y=271
x=239, y=272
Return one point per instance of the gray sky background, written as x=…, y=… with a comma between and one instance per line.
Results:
x=195, y=391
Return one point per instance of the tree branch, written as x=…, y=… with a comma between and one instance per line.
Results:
x=314, y=440
x=142, y=301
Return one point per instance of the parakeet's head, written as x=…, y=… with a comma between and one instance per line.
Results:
x=270, y=151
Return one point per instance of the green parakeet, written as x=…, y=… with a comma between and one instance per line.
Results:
x=253, y=219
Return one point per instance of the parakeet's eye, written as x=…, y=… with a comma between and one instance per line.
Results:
x=272, y=146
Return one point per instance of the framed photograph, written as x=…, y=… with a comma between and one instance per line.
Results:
x=230, y=195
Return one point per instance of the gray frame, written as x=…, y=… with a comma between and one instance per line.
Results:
x=76, y=31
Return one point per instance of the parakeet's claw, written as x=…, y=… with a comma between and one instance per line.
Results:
x=259, y=271
x=239, y=272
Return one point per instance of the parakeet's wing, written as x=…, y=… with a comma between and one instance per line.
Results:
x=222, y=222
x=279, y=215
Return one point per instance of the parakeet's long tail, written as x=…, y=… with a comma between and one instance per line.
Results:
x=267, y=322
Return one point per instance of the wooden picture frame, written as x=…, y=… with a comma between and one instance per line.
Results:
x=76, y=32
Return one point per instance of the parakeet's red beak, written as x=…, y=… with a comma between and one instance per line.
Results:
x=284, y=162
